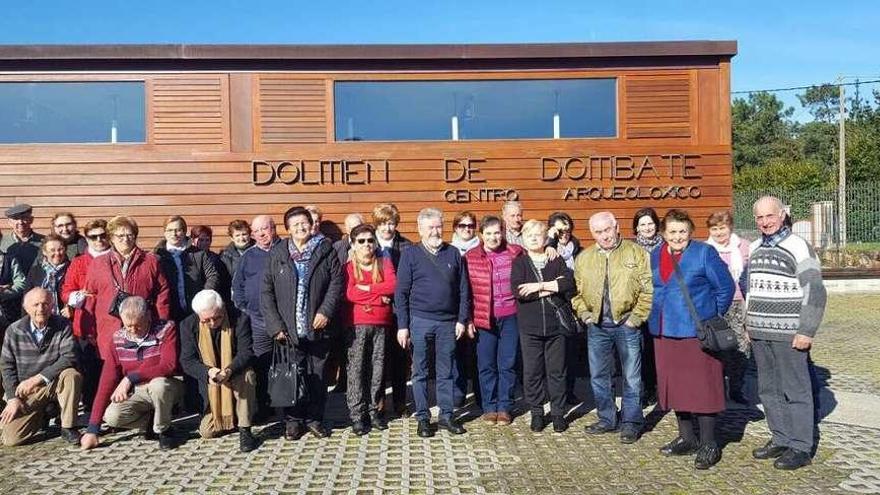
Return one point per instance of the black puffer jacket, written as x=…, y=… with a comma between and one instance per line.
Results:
x=537, y=315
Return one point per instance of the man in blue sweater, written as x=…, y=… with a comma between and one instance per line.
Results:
x=246, y=286
x=433, y=298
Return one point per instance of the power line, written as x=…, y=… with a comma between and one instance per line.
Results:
x=796, y=88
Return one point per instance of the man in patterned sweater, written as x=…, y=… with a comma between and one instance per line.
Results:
x=785, y=304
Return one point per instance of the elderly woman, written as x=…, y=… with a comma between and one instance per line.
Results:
x=370, y=282
x=301, y=291
x=82, y=304
x=187, y=268
x=49, y=270
x=493, y=323
x=541, y=286
x=646, y=226
x=561, y=237
x=240, y=240
x=689, y=380
x=391, y=244
x=64, y=225
x=465, y=235
x=734, y=251
x=127, y=271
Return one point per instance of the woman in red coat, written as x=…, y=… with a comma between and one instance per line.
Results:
x=73, y=293
x=370, y=282
x=126, y=271
x=494, y=319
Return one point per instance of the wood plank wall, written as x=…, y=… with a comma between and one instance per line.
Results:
x=205, y=130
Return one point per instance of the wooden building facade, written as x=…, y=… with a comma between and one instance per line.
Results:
x=236, y=131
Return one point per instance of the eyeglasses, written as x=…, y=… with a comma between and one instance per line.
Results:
x=124, y=236
x=466, y=225
x=563, y=231
x=365, y=240
x=95, y=237
x=175, y=231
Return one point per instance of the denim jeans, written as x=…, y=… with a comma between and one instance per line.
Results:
x=496, y=357
x=441, y=334
x=600, y=343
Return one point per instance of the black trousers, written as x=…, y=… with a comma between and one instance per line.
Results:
x=261, y=368
x=311, y=356
x=397, y=367
x=544, y=371
x=89, y=365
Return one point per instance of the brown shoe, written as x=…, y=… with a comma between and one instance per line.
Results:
x=490, y=417
x=503, y=419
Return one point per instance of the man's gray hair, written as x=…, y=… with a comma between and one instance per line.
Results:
x=206, y=300
x=135, y=306
x=780, y=206
x=603, y=216
x=511, y=204
x=426, y=214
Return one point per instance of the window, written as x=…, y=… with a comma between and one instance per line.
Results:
x=72, y=112
x=443, y=110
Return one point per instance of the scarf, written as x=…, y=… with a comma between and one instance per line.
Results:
x=95, y=254
x=220, y=397
x=649, y=244
x=465, y=246
x=732, y=248
x=52, y=280
x=773, y=239
x=300, y=261
x=567, y=253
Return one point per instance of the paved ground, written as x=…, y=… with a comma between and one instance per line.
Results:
x=495, y=460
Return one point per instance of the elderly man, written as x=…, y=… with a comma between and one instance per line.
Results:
x=433, y=307
x=137, y=387
x=246, y=287
x=613, y=279
x=37, y=363
x=784, y=307
x=511, y=213
x=64, y=224
x=215, y=350
x=343, y=246
x=21, y=247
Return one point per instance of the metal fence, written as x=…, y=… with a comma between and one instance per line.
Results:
x=816, y=216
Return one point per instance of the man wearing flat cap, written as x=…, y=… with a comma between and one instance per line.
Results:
x=19, y=248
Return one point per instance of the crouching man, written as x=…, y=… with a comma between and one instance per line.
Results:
x=137, y=388
x=37, y=363
x=215, y=350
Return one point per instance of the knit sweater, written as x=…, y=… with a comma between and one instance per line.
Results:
x=22, y=358
x=432, y=287
x=786, y=295
x=154, y=356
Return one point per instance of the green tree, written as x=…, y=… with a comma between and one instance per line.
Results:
x=783, y=173
x=762, y=131
x=822, y=102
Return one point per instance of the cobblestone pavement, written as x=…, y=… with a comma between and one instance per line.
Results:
x=488, y=459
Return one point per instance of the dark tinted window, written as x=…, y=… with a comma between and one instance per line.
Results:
x=511, y=109
x=72, y=112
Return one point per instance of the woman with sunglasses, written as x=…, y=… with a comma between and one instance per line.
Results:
x=370, y=282
x=561, y=237
x=465, y=235
x=79, y=302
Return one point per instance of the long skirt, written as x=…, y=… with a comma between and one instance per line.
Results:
x=688, y=379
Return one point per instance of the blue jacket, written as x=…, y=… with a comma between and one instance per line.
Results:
x=247, y=282
x=708, y=281
x=422, y=290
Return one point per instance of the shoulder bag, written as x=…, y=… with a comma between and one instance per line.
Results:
x=714, y=334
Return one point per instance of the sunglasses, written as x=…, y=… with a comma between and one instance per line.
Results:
x=466, y=225
x=95, y=237
x=363, y=240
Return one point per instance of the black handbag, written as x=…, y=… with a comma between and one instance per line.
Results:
x=287, y=380
x=714, y=334
x=570, y=324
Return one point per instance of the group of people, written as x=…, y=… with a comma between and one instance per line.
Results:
x=132, y=334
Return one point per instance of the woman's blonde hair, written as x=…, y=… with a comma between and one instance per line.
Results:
x=118, y=222
x=533, y=225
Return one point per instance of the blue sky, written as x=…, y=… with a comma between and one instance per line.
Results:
x=781, y=43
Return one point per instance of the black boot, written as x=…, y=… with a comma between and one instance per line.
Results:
x=246, y=440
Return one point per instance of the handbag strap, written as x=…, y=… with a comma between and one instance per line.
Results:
x=684, y=291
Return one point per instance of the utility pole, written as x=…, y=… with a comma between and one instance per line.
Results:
x=841, y=178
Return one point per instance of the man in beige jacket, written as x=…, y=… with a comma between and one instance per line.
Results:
x=613, y=278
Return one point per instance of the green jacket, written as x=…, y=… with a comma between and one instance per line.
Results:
x=631, y=285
